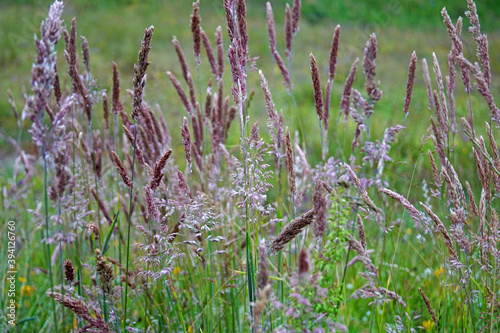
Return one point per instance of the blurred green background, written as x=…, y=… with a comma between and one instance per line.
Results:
x=114, y=30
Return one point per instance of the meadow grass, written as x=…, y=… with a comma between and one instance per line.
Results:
x=108, y=44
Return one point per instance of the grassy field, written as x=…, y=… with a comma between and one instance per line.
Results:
x=114, y=32
x=198, y=257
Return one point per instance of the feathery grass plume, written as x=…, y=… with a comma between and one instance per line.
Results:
x=483, y=168
x=481, y=40
x=326, y=103
x=232, y=55
x=291, y=230
x=369, y=69
x=345, y=102
x=454, y=187
x=120, y=167
x=361, y=189
x=43, y=71
x=284, y=71
x=220, y=52
x=116, y=105
x=463, y=70
x=208, y=101
x=440, y=84
x=147, y=124
x=101, y=205
x=105, y=273
x=441, y=114
x=57, y=87
x=483, y=87
x=13, y=105
x=440, y=226
x=241, y=15
x=186, y=140
x=126, y=121
x=274, y=123
x=156, y=125
x=318, y=95
x=428, y=306
x=78, y=85
x=361, y=231
x=181, y=93
x=414, y=213
x=271, y=31
x=105, y=111
x=186, y=74
x=231, y=28
x=158, y=170
x=183, y=185
x=288, y=32
x=196, y=149
x=163, y=125
x=332, y=67
x=435, y=173
x=495, y=157
x=196, y=30
x=482, y=210
x=472, y=201
x=200, y=131
x=427, y=80
x=69, y=271
x=295, y=16
x=140, y=72
x=289, y=165
x=86, y=54
x=494, y=225
x=457, y=46
x=81, y=310
x=70, y=50
x=481, y=155
x=334, y=52
x=238, y=55
x=363, y=256
x=263, y=274
x=153, y=213
x=303, y=263
x=254, y=133
x=327, y=187
x=210, y=53
x=438, y=142
x=138, y=151
x=452, y=31
x=320, y=208
x=409, y=83
x=231, y=114
x=197, y=131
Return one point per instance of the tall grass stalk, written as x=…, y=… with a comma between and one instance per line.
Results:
x=130, y=203
x=47, y=233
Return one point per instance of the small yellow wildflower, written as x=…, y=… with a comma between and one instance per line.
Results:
x=408, y=231
x=26, y=290
x=22, y=280
x=428, y=324
x=176, y=270
x=439, y=271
